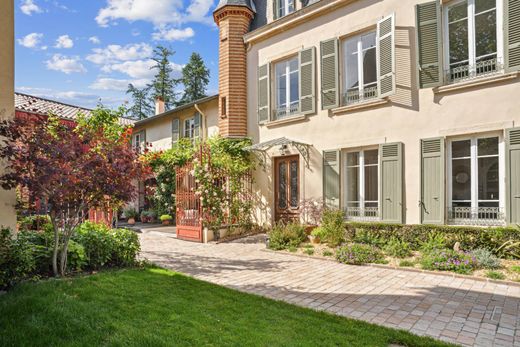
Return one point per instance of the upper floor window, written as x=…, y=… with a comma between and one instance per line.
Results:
x=287, y=95
x=360, y=68
x=283, y=7
x=137, y=143
x=471, y=28
x=189, y=128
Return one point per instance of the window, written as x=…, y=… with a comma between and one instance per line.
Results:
x=137, y=143
x=189, y=128
x=471, y=28
x=362, y=184
x=360, y=68
x=475, y=181
x=287, y=94
x=284, y=7
x=223, y=102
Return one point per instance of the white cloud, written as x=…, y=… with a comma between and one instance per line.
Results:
x=64, y=41
x=65, y=64
x=158, y=12
x=117, y=84
x=173, y=34
x=28, y=7
x=95, y=40
x=117, y=53
x=31, y=40
x=138, y=68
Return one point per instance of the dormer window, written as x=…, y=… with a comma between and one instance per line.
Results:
x=283, y=8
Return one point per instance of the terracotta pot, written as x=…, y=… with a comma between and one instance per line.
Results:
x=166, y=222
x=131, y=221
x=314, y=239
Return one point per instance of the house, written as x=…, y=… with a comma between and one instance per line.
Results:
x=194, y=120
x=400, y=111
x=7, y=198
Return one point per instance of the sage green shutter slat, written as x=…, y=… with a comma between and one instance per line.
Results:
x=331, y=183
x=175, y=130
x=307, y=82
x=275, y=9
x=513, y=175
x=263, y=94
x=429, y=44
x=196, y=125
x=329, y=74
x=386, y=56
x=432, y=202
x=512, y=34
x=391, y=166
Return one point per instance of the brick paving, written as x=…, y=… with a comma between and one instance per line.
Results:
x=457, y=310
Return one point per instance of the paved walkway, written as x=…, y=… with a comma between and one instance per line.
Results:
x=462, y=311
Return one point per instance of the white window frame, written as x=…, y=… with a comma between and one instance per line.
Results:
x=137, y=142
x=290, y=110
x=361, y=182
x=189, y=128
x=361, y=77
x=284, y=10
x=472, y=59
x=474, y=168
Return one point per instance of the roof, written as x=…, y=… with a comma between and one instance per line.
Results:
x=175, y=110
x=246, y=3
x=38, y=105
x=264, y=146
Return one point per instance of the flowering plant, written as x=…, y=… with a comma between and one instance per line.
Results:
x=449, y=260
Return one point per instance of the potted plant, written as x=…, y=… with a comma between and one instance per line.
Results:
x=316, y=235
x=151, y=216
x=144, y=216
x=166, y=219
x=130, y=214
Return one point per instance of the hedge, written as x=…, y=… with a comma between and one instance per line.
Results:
x=502, y=241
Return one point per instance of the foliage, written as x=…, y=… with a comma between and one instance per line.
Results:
x=125, y=247
x=165, y=217
x=195, y=78
x=141, y=107
x=515, y=268
x=358, y=253
x=130, y=212
x=397, y=248
x=309, y=251
x=486, y=259
x=406, y=263
x=332, y=228
x=97, y=242
x=77, y=258
x=311, y=211
x=284, y=236
x=163, y=84
x=327, y=253
x=434, y=242
x=496, y=275
x=368, y=237
x=16, y=260
x=448, y=260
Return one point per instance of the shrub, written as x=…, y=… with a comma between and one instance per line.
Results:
x=130, y=213
x=16, y=259
x=35, y=222
x=308, y=251
x=165, y=217
x=125, y=248
x=434, y=242
x=332, y=229
x=515, y=268
x=397, y=248
x=76, y=256
x=486, y=259
x=406, y=263
x=367, y=237
x=286, y=236
x=496, y=275
x=327, y=253
x=98, y=243
x=448, y=260
x=358, y=253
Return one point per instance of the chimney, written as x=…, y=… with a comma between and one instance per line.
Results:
x=233, y=18
x=159, y=105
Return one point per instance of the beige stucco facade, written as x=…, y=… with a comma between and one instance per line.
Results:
x=7, y=198
x=412, y=114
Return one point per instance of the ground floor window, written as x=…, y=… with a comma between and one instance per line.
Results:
x=362, y=184
x=475, y=180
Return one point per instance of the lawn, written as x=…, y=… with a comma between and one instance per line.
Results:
x=157, y=307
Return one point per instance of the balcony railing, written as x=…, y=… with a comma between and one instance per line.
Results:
x=476, y=216
x=356, y=96
x=482, y=69
x=284, y=112
x=362, y=214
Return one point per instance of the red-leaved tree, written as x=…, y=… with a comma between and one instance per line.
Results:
x=72, y=169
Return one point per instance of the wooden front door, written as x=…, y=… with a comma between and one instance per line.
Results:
x=287, y=188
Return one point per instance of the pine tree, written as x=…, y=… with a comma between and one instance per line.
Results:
x=195, y=77
x=163, y=84
x=141, y=107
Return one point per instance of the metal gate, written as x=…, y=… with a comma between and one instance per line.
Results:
x=189, y=209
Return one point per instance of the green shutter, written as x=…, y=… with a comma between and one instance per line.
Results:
x=429, y=43
x=275, y=9
x=307, y=83
x=263, y=94
x=386, y=56
x=391, y=166
x=513, y=175
x=331, y=176
x=512, y=34
x=329, y=74
x=197, y=123
x=432, y=202
x=176, y=129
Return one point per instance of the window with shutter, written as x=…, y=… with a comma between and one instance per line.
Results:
x=429, y=55
x=329, y=74
x=175, y=130
x=432, y=203
x=197, y=125
x=391, y=197
x=263, y=94
x=286, y=88
x=331, y=178
x=512, y=34
x=307, y=82
x=513, y=175
x=386, y=56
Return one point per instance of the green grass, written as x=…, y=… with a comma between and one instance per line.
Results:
x=406, y=263
x=157, y=307
x=327, y=253
x=515, y=268
x=496, y=275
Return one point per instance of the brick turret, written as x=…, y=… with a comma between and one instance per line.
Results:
x=233, y=18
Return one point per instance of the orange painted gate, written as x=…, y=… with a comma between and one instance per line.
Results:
x=189, y=209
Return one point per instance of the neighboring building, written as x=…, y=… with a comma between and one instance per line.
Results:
x=398, y=111
x=198, y=119
x=7, y=198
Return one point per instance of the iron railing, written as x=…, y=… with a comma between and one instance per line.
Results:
x=481, y=69
x=362, y=214
x=356, y=96
x=283, y=112
x=476, y=216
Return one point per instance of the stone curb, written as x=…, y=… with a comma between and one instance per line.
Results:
x=389, y=267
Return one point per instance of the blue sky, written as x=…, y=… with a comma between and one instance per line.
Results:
x=78, y=51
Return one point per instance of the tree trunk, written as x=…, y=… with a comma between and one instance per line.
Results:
x=56, y=246
x=63, y=259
